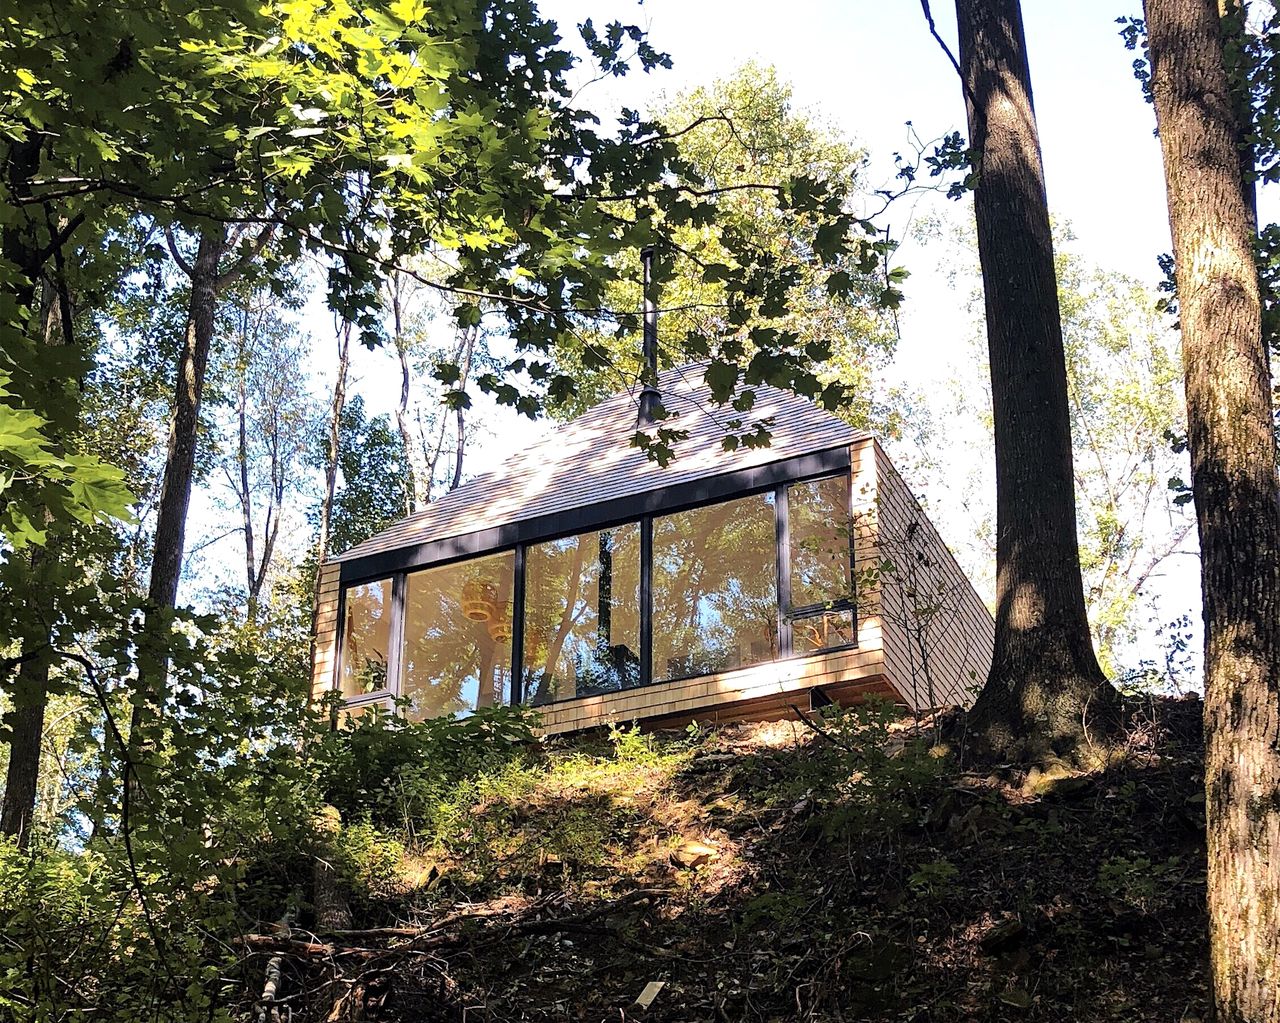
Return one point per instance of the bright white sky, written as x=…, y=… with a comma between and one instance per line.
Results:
x=868, y=66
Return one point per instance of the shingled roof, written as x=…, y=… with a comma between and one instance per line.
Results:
x=590, y=460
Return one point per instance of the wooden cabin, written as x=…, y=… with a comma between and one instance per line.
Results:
x=585, y=580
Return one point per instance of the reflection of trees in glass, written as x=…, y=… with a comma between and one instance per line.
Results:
x=820, y=527
x=582, y=614
x=715, y=606
x=822, y=631
x=366, y=639
x=821, y=532
x=457, y=636
x=714, y=588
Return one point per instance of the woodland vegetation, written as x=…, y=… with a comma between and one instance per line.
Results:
x=214, y=214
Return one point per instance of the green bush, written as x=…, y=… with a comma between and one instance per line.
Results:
x=396, y=774
x=873, y=780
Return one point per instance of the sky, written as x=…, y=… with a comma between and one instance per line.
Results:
x=868, y=67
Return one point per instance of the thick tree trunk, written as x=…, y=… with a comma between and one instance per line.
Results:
x=26, y=722
x=1233, y=480
x=1045, y=694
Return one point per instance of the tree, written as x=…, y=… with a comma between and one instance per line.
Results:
x=1233, y=480
x=372, y=473
x=272, y=417
x=429, y=414
x=208, y=278
x=740, y=131
x=1124, y=386
x=1045, y=693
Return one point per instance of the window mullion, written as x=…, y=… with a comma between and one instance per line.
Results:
x=395, y=655
x=646, y=600
x=782, y=540
x=517, y=628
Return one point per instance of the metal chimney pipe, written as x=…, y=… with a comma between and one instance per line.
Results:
x=649, y=397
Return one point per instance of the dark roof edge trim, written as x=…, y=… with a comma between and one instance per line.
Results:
x=676, y=497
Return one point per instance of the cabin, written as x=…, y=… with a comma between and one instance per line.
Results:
x=583, y=579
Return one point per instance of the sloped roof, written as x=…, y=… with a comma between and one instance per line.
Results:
x=590, y=460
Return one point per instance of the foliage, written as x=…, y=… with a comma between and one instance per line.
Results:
x=741, y=130
x=979, y=898
x=373, y=474
x=38, y=481
x=1125, y=384
x=396, y=772
x=1137, y=883
x=871, y=779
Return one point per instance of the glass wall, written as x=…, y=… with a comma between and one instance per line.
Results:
x=821, y=563
x=588, y=610
x=715, y=596
x=366, y=639
x=582, y=614
x=457, y=637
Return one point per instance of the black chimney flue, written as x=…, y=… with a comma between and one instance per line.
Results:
x=649, y=397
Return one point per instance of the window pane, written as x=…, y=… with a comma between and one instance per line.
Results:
x=582, y=614
x=366, y=639
x=715, y=599
x=822, y=631
x=818, y=520
x=457, y=633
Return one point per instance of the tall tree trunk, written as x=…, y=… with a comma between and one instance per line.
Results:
x=1045, y=690
x=336, y=406
x=31, y=694
x=242, y=471
x=179, y=469
x=1233, y=481
x=412, y=481
x=468, y=352
x=180, y=460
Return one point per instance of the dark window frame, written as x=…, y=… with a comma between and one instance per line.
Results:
x=776, y=478
x=390, y=690
x=850, y=603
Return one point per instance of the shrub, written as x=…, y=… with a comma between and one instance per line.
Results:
x=396, y=773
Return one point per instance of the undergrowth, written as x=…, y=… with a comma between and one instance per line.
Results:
x=842, y=868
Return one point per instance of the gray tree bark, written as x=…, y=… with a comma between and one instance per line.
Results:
x=1046, y=694
x=1233, y=482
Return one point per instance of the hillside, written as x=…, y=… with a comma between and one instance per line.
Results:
x=774, y=872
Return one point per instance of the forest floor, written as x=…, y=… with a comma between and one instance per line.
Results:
x=769, y=872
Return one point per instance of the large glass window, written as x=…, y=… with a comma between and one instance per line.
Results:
x=457, y=637
x=715, y=602
x=366, y=639
x=821, y=564
x=582, y=614
x=713, y=593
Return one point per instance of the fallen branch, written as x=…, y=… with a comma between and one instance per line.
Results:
x=268, y=1009
x=814, y=726
x=438, y=935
